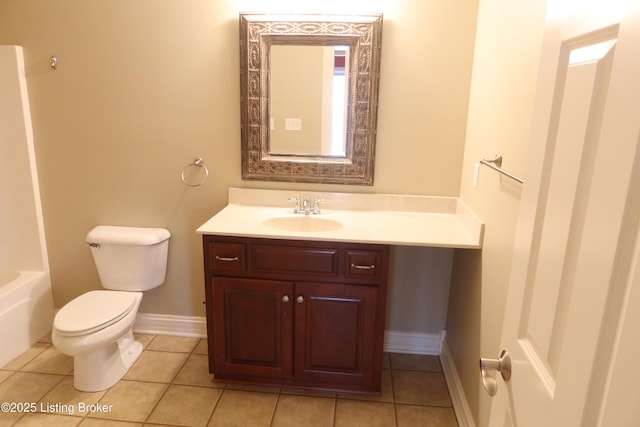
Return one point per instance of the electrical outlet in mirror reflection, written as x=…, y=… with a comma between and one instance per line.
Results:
x=293, y=124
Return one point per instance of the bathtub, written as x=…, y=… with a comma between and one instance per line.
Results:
x=26, y=311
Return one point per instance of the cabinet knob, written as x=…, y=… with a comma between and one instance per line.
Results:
x=285, y=298
x=300, y=299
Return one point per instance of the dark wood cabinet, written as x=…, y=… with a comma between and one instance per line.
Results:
x=252, y=327
x=335, y=334
x=296, y=313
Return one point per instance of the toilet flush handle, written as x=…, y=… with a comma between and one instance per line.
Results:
x=93, y=245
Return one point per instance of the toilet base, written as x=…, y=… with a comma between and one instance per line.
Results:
x=101, y=369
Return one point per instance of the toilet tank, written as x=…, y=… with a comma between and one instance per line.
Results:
x=129, y=258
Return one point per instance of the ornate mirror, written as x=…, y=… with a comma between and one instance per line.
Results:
x=309, y=97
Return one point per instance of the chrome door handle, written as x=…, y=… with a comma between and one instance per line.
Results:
x=502, y=365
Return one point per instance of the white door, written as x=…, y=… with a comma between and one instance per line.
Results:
x=569, y=326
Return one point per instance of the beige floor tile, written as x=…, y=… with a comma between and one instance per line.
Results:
x=302, y=411
x=415, y=362
x=422, y=388
x=244, y=408
x=411, y=416
x=171, y=343
x=386, y=362
x=196, y=372
x=186, y=406
x=50, y=361
x=170, y=384
x=53, y=420
x=386, y=389
x=130, y=400
x=24, y=387
x=26, y=357
x=27, y=386
x=256, y=388
x=306, y=392
x=144, y=339
x=202, y=347
x=4, y=375
x=71, y=401
x=92, y=422
x=351, y=413
x=156, y=366
x=46, y=339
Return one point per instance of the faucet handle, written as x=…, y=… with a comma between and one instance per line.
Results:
x=316, y=204
x=296, y=200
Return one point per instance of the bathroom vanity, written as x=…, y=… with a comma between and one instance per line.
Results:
x=296, y=313
x=299, y=300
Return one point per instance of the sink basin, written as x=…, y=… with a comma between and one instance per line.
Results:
x=302, y=223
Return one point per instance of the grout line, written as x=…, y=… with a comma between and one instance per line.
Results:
x=210, y=419
x=275, y=408
x=146, y=418
x=39, y=399
x=393, y=392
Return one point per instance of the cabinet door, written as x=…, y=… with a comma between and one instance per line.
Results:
x=335, y=335
x=253, y=327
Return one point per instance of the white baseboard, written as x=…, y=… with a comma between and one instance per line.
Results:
x=413, y=342
x=165, y=324
x=458, y=398
x=193, y=326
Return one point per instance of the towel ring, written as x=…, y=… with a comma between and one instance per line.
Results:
x=198, y=162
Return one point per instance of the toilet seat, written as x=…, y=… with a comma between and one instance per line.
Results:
x=93, y=311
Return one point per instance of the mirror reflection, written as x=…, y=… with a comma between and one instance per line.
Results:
x=308, y=102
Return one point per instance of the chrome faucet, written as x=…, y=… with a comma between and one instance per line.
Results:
x=306, y=206
x=316, y=204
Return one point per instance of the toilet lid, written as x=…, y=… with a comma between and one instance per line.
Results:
x=93, y=311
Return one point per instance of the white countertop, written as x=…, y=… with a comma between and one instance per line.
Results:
x=405, y=220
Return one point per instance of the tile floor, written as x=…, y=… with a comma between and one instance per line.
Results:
x=170, y=386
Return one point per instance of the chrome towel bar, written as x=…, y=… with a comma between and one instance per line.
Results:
x=496, y=164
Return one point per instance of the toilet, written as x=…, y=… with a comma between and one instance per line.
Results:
x=96, y=327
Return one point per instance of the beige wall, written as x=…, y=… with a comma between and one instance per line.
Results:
x=143, y=87
x=503, y=85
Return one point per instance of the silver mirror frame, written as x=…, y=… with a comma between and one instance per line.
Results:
x=258, y=32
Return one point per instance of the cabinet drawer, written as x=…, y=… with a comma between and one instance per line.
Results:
x=363, y=264
x=228, y=256
x=293, y=260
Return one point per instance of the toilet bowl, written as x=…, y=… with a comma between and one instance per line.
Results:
x=96, y=328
